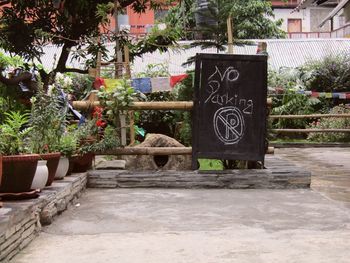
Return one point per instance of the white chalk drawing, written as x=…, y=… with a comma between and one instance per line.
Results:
x=231, y=74
x=214, y=87
x=229, y=125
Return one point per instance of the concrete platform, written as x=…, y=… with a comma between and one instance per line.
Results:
x=22, y=220
x=279, y=174
x=329, y=167
x=198, y=225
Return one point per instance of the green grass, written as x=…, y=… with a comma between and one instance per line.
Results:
x=210, y=164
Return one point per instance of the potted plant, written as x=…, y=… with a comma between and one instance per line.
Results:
x=67, y=147
x=47, y=122
x=86, y=135
x=0, y=167
x=18, y=168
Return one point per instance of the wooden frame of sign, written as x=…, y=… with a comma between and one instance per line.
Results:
x=229, y=115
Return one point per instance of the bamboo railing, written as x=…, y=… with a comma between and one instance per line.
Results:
x=188, y=105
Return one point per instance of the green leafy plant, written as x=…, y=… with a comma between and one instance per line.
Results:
x=68, y=144
x=6, y=61
x=64, y=82
x=117, y=100
x=82, y=85
x=330, y=74
x=13, y=133
x=47, y=121
x=155, y=70
x=109, y=140
x=292, y=103
x=183, y=91
x=86, y=135
x=332, y=123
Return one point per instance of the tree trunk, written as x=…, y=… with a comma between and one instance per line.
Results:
x=61, y=64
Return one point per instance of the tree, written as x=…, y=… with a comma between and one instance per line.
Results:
x=28, y=25
x=250, y=18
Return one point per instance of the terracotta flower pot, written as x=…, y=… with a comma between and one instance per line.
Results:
x=52, y=164
x=82, y=162
x=18, y=173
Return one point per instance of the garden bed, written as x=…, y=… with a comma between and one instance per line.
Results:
x=21, y=220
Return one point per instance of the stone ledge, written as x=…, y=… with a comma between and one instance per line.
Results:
x=278, y=174
x=21, y=220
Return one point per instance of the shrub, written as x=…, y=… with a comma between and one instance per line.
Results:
x=332, y=123
x=82, y=85
x=155, y=121
x=330, y=74
x=292, y=103
x=155, y=70
x=184, y=91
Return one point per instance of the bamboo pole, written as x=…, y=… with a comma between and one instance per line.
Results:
x=310, y=116
x=140, y=105
x=132, y=129
x=98, y=65
x=122, y=119
x=148, y=105
x=229, y=35
x=308, y=130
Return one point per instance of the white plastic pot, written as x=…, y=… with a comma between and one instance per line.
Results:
x=62, y=168
x=41, y=175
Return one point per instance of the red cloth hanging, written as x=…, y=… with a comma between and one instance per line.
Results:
x=176, y=79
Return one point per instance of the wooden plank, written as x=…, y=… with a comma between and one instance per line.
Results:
x=308, y=130
x=149, y=151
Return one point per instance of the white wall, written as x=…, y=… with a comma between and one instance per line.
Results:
x=285, y=13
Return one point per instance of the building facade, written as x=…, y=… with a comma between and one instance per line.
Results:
x=296, y=20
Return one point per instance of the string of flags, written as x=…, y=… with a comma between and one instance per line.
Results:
x=329, y=95
x=144, y=85
x=148, y=85
x=316, y=94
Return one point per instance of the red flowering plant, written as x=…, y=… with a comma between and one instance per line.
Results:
x=97, y=114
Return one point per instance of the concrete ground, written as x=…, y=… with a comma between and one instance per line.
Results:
x=162, y=225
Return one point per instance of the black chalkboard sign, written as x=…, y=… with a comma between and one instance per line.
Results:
x=229, y=115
